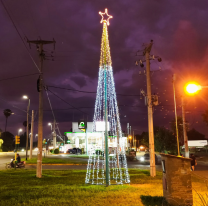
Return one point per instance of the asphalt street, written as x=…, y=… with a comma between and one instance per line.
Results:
x=201, y=168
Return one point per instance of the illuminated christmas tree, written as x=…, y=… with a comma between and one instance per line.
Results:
x=108, y=165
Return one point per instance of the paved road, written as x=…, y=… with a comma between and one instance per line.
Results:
x=201, y=168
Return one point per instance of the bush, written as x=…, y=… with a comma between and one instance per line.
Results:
x=153, y=200
x=56, y=151
x=52, y=151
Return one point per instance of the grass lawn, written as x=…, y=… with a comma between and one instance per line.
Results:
x=21, y=187
x=80, y=156
x=50, y=160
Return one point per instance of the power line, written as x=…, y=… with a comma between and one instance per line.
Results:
x=18, y=77
x=20, y=35
x=67, y=102
x=75, y=90
x=53, y=114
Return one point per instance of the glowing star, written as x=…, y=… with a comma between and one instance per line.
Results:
x=108, y=17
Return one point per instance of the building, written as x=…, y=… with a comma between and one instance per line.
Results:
x=89, y=140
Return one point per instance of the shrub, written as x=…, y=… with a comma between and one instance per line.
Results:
x=153, y=200
x=56, y=151
x=52, y=151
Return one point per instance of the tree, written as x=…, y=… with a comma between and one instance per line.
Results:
x=144, y=139
x=205, y=117
x=22, y=140
x=165, y=140
x=7, y=113
x=180, y=129
x=8, y=139
x=195, y=135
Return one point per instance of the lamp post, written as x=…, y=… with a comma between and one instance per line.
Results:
x=53, y=133
x=191, y=88
x=28, y=106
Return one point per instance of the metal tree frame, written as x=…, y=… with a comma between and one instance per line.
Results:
x=104, y=168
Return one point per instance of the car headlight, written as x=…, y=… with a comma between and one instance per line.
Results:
x=142, y=159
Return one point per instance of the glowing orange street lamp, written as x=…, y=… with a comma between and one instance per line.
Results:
x=192, y=88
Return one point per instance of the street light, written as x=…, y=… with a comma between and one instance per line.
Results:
x=192, y=88
x=49, y=124
x=20, y=130
x=26, y=97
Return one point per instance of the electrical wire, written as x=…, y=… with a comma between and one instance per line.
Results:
x=18, y=77
x=53, y=114
x=20, y=35
x=67, y=102
x=75, y=90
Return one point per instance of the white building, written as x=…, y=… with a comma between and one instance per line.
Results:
x=89, y=139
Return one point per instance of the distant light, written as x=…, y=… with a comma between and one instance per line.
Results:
x=142, y=159
x=192, y=88
x=49, y=124
x=141, y=147
x=20, y=130
x=25, y=97
x=100, y=126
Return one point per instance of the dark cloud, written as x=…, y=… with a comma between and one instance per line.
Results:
x=179, y=31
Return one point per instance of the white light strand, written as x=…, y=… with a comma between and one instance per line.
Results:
x=118, y=170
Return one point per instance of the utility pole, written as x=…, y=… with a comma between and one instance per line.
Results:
x=184, y=128
x=54, y=134
x=86, y=141
x=128, y=141
x=150, y=111
x=150, y=101
x=130, y=137
x=39, y=44
x=176, y=118
x=133, y=139
x=31, y=137
x=28, y=107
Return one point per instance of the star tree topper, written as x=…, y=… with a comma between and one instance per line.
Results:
x=105, y=20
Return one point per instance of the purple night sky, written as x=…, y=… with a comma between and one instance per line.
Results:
x=180, y=33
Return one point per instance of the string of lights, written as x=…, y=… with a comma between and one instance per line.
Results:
x=106, y=107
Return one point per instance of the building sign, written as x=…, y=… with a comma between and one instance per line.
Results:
x=197, y=143
x=100, y=126
x=82, y=124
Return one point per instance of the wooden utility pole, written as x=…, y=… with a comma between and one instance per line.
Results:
x=39, y=45
x=31, y=137
x=184, y=128
x=54, y=134
x=28, y=107
x=176, y=117
x=150, y=111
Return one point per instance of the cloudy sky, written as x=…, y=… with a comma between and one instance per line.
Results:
x=180, y=33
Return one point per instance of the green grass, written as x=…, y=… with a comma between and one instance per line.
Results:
x=21, y=187
x=47, y=160
x=80, y=156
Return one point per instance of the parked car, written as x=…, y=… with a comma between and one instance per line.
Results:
x=146, y=158
x=75, y=151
